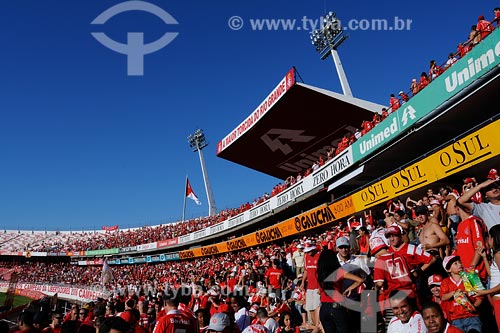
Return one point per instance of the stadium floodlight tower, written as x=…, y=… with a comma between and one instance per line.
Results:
x=197, y=142
x=326, y=40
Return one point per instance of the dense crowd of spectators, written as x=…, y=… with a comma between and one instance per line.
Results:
x=432, y=239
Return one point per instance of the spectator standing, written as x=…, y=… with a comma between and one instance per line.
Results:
x=474, y=38
x=363, y=239
x=331, y=276
x=434, y=283
x=490, y=190
x=484, y=27
x=404, y=97
x=298, y=259
x=469, y=184
x=345, y=257
x=219, y=322
x=496, y=12
x=274, y=277
x=379, y=232
x=424, y=81
x=434, y=70
x=470, y=237
x=414, y=87
x=418, y=260
x=393, y=103
x=494, y=291
x=451, y=60
x=432, y=238
x=310, y=279
x=391, y=272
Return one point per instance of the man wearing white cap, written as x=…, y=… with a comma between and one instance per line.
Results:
x=352, y=264
x=310, y=276
x=298, y=259
x=345, y=257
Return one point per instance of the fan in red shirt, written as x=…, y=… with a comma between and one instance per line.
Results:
x=417, y=259
x=391, y=272
x=393, y=103
x=458, y=303
x=310, y=278
x=469, y=237
x=484, y=28
x=175, y=320
x=274, y=277
x=496, y=11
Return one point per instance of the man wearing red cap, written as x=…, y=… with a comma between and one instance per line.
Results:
x=434, y=283
x=470, y=183
x=484, y=28
x=417, y=259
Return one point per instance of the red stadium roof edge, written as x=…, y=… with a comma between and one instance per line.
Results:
x=294, y=124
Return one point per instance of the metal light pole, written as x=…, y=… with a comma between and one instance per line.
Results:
x=326, y=40
x=197, y=142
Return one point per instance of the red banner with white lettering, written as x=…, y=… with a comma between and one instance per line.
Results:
x=110, y=227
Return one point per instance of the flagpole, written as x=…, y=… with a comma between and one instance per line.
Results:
x=184, y=207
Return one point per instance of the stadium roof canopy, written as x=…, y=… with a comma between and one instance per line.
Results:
x=294, y=125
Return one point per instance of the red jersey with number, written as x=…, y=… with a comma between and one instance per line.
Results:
x=393, y=270
x=414, y=255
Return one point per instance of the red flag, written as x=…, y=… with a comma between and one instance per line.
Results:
x=190, y=193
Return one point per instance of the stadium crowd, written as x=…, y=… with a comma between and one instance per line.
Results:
x=429, y=264
x=440, y=248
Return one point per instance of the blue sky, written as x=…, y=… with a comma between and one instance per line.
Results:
x=83, y=145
